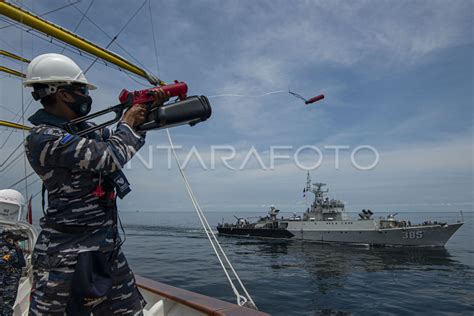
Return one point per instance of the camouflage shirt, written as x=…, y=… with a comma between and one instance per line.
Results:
x=71, y=168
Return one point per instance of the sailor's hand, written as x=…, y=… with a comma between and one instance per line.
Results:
x=160, y=97
x=135, y=116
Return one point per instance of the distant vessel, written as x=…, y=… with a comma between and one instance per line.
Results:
x=326, y=221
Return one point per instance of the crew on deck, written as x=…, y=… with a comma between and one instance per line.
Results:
x=11, y=263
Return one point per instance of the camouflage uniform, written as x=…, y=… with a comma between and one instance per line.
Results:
x=78, y=219
x=10, y=274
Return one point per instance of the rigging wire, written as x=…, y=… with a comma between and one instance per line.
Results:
x=241, y=300
x=116, y=36
x=154, y=37
x=11, y=154
x=52, y=41
x=8, y=137
x=7, y=109
x=80, y=21
x=19, y=119
x=110, y=37
x=30, y=184
x=135, y=80
x=42, y=14
x=8, y=44
x=23, y=112
x=74, y=50
x=10, y=165
x=22, y=179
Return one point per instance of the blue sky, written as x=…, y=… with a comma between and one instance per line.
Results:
x=397, y=75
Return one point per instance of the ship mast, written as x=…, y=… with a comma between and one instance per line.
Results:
x=307, y=189
x=319, y=193
x=308, y=182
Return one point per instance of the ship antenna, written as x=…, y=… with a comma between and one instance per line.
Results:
x=308, y=188
x=308, y=182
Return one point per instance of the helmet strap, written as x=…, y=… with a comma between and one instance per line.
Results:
x=41, y=93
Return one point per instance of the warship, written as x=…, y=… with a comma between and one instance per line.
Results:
x=326, y=221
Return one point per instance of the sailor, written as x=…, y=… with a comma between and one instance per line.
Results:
x=11, y=264
x=80, y=242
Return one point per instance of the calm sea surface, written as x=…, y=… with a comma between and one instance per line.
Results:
x=304, y=278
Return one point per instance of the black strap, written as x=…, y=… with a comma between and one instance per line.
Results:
x=43, y=191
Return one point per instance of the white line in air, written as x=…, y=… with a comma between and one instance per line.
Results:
x=246, y=96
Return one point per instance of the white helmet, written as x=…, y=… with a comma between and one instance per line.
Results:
x=54, y=70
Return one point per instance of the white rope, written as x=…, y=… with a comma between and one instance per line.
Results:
x=241, y=300
x=245, y=95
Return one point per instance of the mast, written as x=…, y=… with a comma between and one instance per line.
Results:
x=307, y=189
x=12, y=72
x=318, y=192
x=13, y=56
x=308, y=182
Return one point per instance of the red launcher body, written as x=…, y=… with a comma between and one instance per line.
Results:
x=177, y=89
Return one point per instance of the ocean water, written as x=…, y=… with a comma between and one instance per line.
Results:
x=305, y=278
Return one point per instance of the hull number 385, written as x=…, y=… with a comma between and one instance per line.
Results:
x=412, y=235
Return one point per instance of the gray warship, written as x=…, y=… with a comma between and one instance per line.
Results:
x=326, y=221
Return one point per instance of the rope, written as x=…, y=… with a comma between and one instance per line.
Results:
x=43, y=14
x=241, y=300
x=109, y=37
x=11, y=132
x=23, y=110
x=154, y=37
x=80, y=21
x=22, y=179
x=12, y=163
x=245, y=95
x=11, y=154
x=116, y=36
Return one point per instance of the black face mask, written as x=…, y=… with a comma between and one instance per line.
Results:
x=82, y=104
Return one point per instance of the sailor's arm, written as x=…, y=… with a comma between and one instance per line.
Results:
x=55, y=147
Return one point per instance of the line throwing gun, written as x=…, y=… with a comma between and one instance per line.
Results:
x=185, y=110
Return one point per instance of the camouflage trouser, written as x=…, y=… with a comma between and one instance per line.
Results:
x=9, y=281
x=52, y=290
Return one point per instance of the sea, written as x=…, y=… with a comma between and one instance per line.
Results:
x=290, y=277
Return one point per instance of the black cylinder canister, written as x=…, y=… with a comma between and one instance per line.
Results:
x=192, y=110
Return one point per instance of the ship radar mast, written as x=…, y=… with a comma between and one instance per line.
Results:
x=323, y=208
x=319, y=192
x=316, y=188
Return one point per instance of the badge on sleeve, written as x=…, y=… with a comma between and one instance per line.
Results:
x=65, y=139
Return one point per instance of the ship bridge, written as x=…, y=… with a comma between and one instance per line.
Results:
x=323, y=208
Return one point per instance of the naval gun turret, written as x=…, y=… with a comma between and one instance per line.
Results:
x=241, y=221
